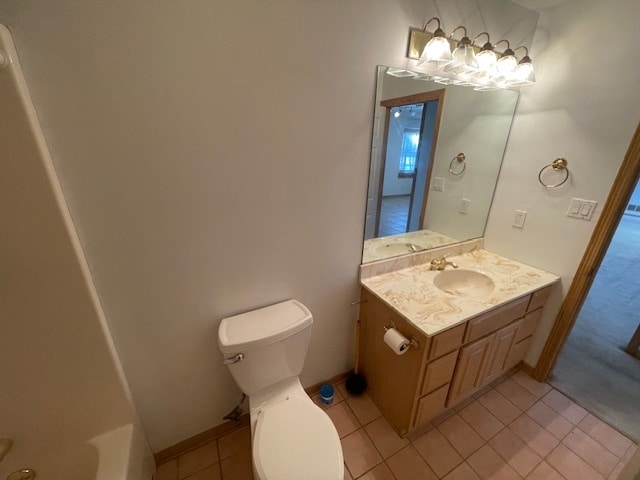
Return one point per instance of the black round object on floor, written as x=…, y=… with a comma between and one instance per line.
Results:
x=355, y=384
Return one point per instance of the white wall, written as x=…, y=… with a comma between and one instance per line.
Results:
x=60, y=381
x=585, y=107
x=215, y=157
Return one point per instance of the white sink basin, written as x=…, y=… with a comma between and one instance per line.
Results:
x=464, y=283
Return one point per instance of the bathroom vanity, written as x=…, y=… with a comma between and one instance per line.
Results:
x=468, y=326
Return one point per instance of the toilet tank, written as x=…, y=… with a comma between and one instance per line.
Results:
x=273, y=342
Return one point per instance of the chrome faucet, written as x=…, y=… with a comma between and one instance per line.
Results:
x=441, y=262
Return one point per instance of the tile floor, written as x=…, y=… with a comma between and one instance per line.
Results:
x=517, y=429
x=393, y=215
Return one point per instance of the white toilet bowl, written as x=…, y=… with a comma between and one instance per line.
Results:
x=292, y=438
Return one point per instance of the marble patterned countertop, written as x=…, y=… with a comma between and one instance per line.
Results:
x=412, y=293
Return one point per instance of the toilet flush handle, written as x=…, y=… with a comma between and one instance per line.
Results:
x=238, y=357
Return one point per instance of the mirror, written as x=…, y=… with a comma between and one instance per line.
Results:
x=435, y=157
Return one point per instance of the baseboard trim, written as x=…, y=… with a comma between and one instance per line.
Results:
x=225, y=428
x=526, y=368
x=341, y=377
x=199, y=439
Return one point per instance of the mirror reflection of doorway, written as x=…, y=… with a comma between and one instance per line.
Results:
x=408, y=149
x=403, y=139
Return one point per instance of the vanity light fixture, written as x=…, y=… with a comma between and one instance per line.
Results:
x=506, y=64
x=464, y=57
x=477, y=65
x=523, y=74
x=437, y=51
x=487, y=58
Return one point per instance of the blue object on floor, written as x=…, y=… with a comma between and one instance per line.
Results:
x=326, y=394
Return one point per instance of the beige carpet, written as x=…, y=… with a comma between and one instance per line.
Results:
x=593, y=369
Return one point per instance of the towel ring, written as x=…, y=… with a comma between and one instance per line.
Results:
x=557, y=165
x=460, y=158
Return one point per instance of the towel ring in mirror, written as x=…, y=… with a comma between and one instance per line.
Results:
x=557, y=165
x=458, y=164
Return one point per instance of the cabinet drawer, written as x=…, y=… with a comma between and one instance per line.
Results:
x=529, y=324
x=446, y=342
x=491, y=321
x=439, y=372
x=431, y=405
x=539, y=298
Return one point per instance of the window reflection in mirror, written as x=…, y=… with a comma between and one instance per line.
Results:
x=416, y=200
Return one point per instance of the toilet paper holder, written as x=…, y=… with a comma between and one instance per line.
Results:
x=413, y=343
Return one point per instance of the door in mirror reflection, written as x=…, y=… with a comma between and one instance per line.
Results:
x=408, y=148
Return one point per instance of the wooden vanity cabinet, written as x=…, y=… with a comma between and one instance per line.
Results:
x=391, y=379
x=440, y=365
x=444, y=369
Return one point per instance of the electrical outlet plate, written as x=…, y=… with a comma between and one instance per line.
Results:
x=519, y=218
x=438, y=184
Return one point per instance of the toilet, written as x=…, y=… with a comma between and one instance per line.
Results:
x=291, y=437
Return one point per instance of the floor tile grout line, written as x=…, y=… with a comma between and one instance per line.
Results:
x=368, y=436
x=219, y=459
x=561, y=443
x=450, y=444
x=454, y=447
x=599, y=442
x=544, y=426
x=588, y=460
x=542, y=458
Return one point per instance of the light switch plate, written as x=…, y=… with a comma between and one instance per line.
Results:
x=464, y=206
x=582, y=209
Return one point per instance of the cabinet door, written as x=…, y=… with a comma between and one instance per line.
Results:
x=472, y=363
x=504, y=339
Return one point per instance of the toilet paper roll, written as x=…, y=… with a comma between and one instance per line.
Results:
x=396, y=341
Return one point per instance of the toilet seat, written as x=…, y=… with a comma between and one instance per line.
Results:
x=293, y=440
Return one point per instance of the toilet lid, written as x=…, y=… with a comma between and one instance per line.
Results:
x=293, y=440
